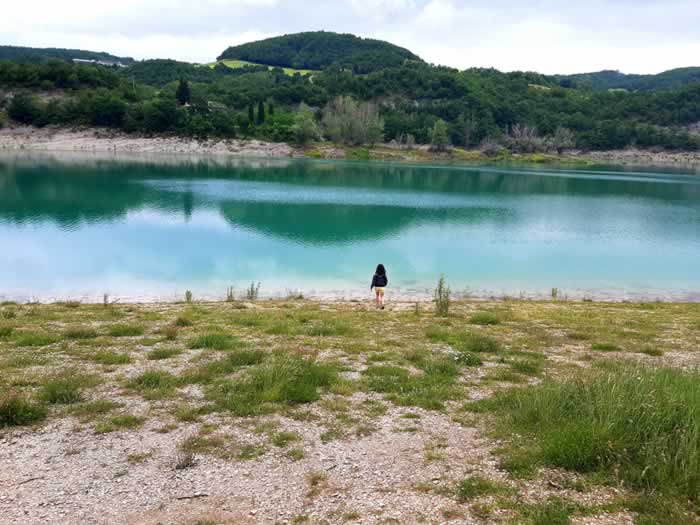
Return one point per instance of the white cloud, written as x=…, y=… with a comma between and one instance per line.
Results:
x=543, y=35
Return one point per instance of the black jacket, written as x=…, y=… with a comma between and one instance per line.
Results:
x=379, y=281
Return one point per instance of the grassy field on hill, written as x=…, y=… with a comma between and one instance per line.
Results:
x=501, y=412
x=235, y=64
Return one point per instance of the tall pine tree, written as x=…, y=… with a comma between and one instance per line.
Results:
x=261, y=113
x=183, y=94
x=251, y=114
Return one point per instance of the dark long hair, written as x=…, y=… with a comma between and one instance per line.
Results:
x=380, y=270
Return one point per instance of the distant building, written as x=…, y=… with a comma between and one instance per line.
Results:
x=105, y=63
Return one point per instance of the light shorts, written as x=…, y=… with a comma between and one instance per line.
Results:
x=379, y=290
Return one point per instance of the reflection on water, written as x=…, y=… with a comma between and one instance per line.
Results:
x=154, y=226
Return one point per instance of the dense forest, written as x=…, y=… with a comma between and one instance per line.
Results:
x=605, y=80
x=37, y=54
x=320, y=49
x=410, y=102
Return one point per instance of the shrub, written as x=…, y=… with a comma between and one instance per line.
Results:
x=6, y=330
x=442, y=297
x=18, y=411
x=253, y=291
x=641, y=423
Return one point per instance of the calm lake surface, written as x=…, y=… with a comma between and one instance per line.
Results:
x=78, y=226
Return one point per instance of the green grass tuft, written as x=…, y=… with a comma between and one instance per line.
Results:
x=154, y=384
x=214, y=341
x=479, y=343
x=640, y=422
x=65, y=388
x=80, y=332
x=6, y=330
x=18, y=411
x=35, y=339
x=163, y=353
x=469, y=359
x=125, y=330
x=108, y=357
x=484, y=318
x=119, y=422
x=605, y=347
x=428, y=389
x=284, y=379
x=475, y=486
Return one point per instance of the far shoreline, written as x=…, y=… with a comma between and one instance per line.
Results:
x=100, y=140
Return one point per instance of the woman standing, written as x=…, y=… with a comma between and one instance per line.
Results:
x=379, y=283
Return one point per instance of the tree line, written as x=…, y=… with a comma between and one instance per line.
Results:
x=412, y=103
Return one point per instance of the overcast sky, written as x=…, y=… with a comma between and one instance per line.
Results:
x=549, y=36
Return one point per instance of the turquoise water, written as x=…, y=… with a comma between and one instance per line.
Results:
x=152, y=227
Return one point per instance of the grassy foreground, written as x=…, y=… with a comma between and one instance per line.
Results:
x=596, y=396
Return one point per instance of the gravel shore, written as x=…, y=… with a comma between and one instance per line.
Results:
x=99, y=140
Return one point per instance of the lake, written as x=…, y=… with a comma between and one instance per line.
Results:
x=150, y=227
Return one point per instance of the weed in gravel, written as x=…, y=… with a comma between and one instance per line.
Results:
x=554, y=511
x=282, y=439
x=475, y=486
x=528, y=367
x=469, y=359
x=109, y=357
x=296, y=454
x=92, y=409
x=184, y=460
x=163, y=353
x=118, y=422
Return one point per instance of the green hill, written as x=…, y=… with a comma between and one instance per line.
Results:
x=318, y=50
x=37, y=54
x=606, y=80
